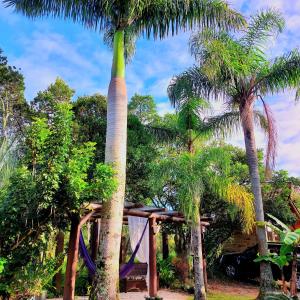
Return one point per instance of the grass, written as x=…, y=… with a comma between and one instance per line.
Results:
x=222, y=296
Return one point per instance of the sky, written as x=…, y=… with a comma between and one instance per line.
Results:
x=50, y=48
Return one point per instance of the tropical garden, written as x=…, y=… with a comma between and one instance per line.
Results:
x=60, y=153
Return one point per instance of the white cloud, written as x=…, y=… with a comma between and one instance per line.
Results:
x=47, y=55
x=164, y=108
x=159, y=87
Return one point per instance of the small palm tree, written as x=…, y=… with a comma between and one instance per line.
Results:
x=123, y=22
x=237, y=71
x=192, y=132
x=190, y=174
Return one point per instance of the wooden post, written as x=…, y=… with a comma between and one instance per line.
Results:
x=69, y=288
x=95, y=239
x=152, y=258
x=59, y=252
x=165, y=245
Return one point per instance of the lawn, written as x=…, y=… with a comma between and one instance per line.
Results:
x=222, y=296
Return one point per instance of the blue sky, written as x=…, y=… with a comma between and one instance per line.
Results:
x=46, y=49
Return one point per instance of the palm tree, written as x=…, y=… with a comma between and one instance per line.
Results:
x=190, y=174
x=122, y=22
x=237, y=71
x=193, y=130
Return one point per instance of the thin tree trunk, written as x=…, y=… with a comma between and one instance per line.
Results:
x=293, y=281
x=266, y=277
x=58, y=252
x=105, y=286
x=200, y=293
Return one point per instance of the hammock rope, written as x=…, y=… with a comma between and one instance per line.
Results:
x=91, y=266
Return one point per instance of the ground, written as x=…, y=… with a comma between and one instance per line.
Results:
x=218, y=290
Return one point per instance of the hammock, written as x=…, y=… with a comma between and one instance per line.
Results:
x=91, y=266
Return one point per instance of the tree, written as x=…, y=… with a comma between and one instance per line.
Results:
x=276, y=194
x=193, y=131
x=90, y=118
x=238, y=71
x=52, y=183
x=12, y=108
x=44, y=103
x=144, y=107
x=123, y=22
x=190, y=175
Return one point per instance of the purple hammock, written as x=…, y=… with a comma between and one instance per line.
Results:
x=91, y=266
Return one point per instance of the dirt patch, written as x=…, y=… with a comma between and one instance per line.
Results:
x=235, y=288
x=165, y=294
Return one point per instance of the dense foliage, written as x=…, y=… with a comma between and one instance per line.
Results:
x=54, y=179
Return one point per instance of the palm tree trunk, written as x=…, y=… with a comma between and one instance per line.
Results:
x=105, y=286
x=246, y=112
x=200, y=293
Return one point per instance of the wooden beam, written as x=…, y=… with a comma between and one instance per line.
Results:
x=72, y=260
x=152, y=209
x=144, y=212
x=152, y=258
x=73, y=251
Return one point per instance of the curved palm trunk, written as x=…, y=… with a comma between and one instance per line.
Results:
x=200, y=293
x=246, y=111
x=105, y=286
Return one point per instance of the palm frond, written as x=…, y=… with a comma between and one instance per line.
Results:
x=222, y=125
x=239, y=196
x=189, y=113
x=281, y=224
x=271, y=138
x=164, y=135
x=191, y=84
x=283, y=74
x=152, y=17
x=260, y=120
x=199, y=40
x=92, y=14
x=162, y=18
x=261, y=27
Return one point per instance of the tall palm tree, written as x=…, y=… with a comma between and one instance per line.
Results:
x=122, y=21
x=237, y=71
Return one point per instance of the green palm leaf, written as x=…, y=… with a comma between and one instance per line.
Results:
x=261, y=27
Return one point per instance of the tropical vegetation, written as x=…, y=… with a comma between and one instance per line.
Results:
x=59, y=153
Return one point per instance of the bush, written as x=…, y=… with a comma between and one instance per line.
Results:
x=166, y=272
x=32, y=279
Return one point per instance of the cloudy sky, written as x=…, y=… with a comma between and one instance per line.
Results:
x=46, y=49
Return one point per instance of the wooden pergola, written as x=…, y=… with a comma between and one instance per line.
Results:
x=155, y=216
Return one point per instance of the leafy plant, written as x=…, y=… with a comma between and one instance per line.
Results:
x=33, y=279
x=2, y=264
x=166, y=272
x=289, y=241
